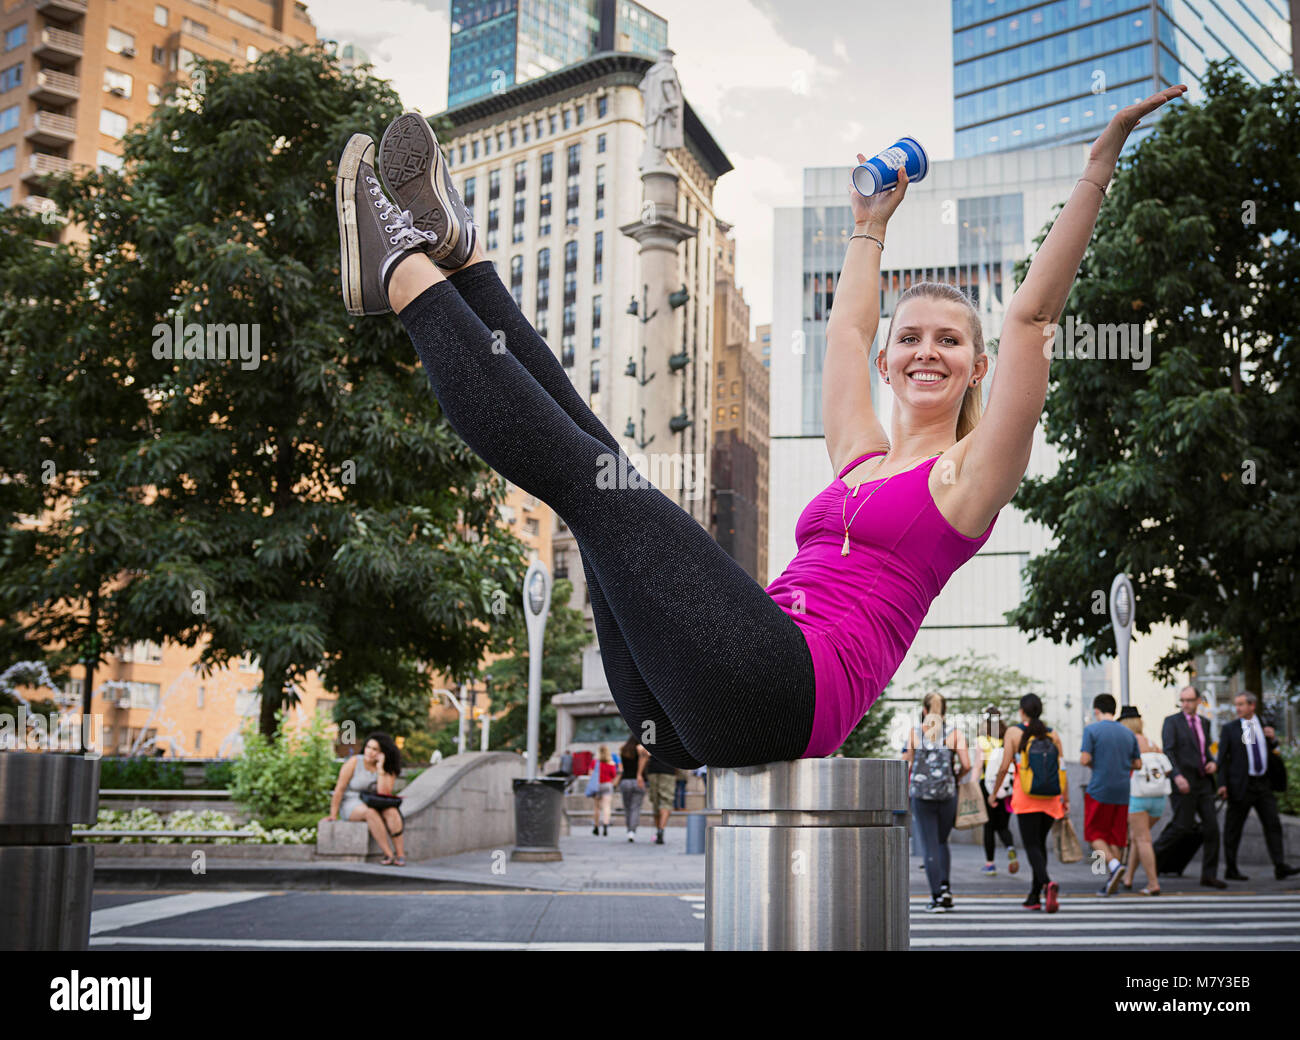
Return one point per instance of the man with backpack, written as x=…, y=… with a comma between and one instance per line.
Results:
x=1111, y=749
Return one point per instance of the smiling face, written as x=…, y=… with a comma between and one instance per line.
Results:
x=930, y=360
x=370, y=752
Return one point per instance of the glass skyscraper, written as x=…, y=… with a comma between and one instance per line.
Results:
x=1029, y=75
x=496, y=44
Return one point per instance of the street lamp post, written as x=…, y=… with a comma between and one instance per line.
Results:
x=1121, y=620
x=539, y=801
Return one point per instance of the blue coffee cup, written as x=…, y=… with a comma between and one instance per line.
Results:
x=880, y=172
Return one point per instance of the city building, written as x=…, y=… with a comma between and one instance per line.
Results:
x=1032, y=75
x=740, y=420
x=966, y=224
x=762, y=344
x=549, y=170
x=499, y=44
x=74, y=75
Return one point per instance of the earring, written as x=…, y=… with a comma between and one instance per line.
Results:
x=886, y=379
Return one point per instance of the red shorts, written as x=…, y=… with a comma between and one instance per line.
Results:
x=1103, y=821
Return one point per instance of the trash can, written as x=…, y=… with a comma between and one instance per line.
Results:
x=46, y=880
x=809, y=855
x=539, y=805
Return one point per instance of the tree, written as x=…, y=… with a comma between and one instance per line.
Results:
x=1183, y=474
x=562, y=644
x=221, y=455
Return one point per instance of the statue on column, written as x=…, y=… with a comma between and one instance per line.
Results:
x=662, y=93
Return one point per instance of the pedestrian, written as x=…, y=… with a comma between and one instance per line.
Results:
x=1111, y=750
x=606, y=771
x=729, y=672
x=631, y=784
x=661, y=779
x=1244, y=749
x=999, y=823
x=932, y=748
x=1039, y=794
x=1185, y=737
x=1148, y=789
x=679, y=792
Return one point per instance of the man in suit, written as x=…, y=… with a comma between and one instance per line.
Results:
x=1244, y=747
x=1186, y=741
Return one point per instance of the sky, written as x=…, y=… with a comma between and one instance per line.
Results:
x=781, y=84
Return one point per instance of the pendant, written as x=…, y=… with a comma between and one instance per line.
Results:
x=845, y=550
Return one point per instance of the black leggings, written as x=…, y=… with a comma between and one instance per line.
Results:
x=999, y=825
x=704, y=666
x=1034, y=829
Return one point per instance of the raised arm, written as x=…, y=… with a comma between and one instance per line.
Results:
x=848, y=418
x=997, y=454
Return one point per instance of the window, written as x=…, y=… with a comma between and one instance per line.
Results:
x=6, y=197
x=493, y=227
x=155, y=95
x=112, y=123
x=550, y=122
x=514, y=137
x=8, y=156
x=600, y=143
x=198, y=741
x=501, y=140
x=189, y=25
x=487, y=145
x=527, y=127
x=159, y=14
x=517, y=280
x=548, y=165
x=539, y=126
x=16, y=36
x=110, y=160
x=462, y=154
x=568, y=119
x=598, y=263
x=158, y=55
x=518, y=216
x=199, y=702
x=595, y=311
x=602, y=108
x=600, y=192
x=11, y=77
x=494, y=184
x=473, y=148
x=467, y=196
x=531, y=526
x=580, y=113
x=142, y=694
x=120, y=42
x=9, y=118
x=117, y=83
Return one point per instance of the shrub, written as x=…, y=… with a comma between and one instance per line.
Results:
x=142, y=773
x=1288, y=801
x=294, y=772
x=218, y=776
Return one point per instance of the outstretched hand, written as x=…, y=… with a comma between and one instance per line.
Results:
x=1105, y=150
x=877, y=209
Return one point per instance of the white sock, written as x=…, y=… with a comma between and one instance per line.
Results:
x=1113, y=864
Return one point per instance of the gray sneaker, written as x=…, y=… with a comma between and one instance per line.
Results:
x=373, y=233
x=415, y=173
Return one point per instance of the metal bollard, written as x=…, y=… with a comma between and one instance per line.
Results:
x=45, y=880
x=697, y=824
x=809, y=856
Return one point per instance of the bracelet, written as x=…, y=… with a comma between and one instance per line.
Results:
x=1102, y=187
x=872, y=237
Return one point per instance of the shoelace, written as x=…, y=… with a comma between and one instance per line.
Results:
x=403, y=223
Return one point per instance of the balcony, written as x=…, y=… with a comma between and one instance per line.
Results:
x=51, y=129
x=62, y=10
x=54, y=88
x=59, y=47
x=40, y=165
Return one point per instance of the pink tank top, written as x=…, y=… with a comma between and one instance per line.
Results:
x=859, y=613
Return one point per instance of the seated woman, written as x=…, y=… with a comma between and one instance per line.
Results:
x=709, y=665
x=374, y=770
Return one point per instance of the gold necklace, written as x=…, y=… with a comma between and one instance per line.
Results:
x=847, y=524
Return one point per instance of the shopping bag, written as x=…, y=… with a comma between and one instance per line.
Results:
x=971, y=809
x=1065, y=839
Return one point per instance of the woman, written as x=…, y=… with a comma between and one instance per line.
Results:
x=375, y=769
x=1144, y=808
x=721, y=670
x=603, y=798
x=932, y=785
x=1034, y=813
x=999, y=821
x=631, y=784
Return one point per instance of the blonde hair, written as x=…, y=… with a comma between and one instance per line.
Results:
x=1133, y=722
x=603, y=754
x=972, y=403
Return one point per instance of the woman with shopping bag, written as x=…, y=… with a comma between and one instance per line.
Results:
x=1039, y=794
x=1149, y=789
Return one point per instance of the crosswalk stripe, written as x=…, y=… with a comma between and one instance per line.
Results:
x=1056, y=921
x=1100, y=904
x=387, y=944
x=149, y=910
x=1182, y=940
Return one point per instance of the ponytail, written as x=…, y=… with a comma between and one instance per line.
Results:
x=1032, y=706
